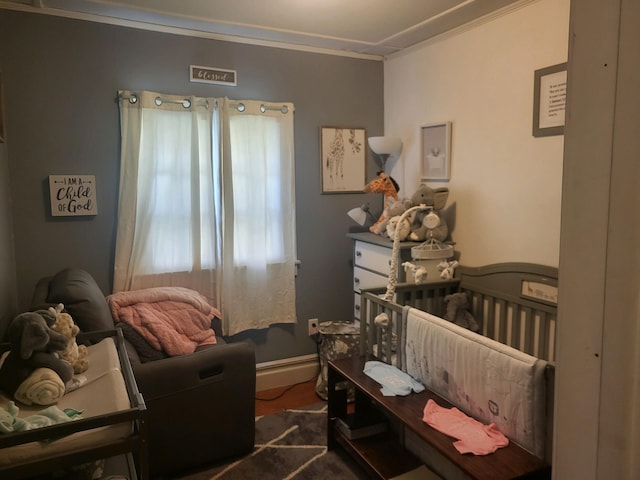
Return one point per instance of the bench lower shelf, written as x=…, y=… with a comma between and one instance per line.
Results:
x=384, y=455
x=380, y=455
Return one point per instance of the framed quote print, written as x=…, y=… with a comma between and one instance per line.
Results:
x=549, y=100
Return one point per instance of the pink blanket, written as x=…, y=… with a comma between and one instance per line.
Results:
x=173, y=319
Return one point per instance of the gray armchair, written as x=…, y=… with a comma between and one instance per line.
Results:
x=201, y=407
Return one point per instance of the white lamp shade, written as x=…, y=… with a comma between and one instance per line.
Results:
x=385, y=145
x=359, y=214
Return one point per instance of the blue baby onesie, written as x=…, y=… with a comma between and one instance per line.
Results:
x=393, y=380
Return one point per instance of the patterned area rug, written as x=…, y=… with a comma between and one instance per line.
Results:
x=290, y=445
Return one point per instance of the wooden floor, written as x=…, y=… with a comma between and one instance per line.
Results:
x=279, y=399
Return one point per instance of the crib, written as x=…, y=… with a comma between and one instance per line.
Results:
x=514, y=303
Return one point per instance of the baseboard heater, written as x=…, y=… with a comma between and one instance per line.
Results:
x=286, y=371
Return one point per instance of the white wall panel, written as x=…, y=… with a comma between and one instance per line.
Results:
x=505, y=184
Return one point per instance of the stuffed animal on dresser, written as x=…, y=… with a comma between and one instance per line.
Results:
x=395, y=210
x=33, y=371
x=394, y=224
x=389, y=188
x=73, y=353
x=428, y=224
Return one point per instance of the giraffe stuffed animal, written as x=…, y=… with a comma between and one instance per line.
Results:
x=386, y=185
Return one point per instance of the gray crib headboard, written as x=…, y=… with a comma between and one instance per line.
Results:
x=516, y=304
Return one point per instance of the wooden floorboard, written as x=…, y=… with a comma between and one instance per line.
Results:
x=282, y=398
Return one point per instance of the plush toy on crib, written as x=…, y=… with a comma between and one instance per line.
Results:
x=33, y=372
x=458, y=311
x=75, y=354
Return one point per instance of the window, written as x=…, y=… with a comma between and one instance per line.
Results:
x=207, y=202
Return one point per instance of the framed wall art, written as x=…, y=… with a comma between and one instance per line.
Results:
x=73, y=195
x=549, y=100
x=343, y=159
x=436, y=151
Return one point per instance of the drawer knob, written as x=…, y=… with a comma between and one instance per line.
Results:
x=356, y=280
x=358, y=253
x=357, y=308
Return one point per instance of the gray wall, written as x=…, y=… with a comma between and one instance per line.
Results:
x=61, y=77
x=7, y=264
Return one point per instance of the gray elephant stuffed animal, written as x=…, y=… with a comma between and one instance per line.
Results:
x=33, y=345
x=423, y=226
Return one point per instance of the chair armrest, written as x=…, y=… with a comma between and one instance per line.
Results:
x=233, y=362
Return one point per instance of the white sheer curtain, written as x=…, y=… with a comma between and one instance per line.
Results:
x=258, y=245
x=207, y=202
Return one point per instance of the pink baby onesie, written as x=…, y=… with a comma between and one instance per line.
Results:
x=472, y=436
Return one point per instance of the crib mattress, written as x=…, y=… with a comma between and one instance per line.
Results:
x=103, y=392
x=488, y=380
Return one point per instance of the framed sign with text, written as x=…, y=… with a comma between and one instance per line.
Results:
x=549, y=100
x=73, y=195
x=216, y=76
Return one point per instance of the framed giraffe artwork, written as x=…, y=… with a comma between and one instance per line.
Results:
x=343, y=157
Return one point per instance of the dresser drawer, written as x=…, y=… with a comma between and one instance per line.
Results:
x=366, y=279
x=373, y=257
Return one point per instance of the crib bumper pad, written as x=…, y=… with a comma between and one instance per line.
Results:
x=491, y=382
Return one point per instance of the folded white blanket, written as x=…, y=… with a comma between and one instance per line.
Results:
x=42, y=387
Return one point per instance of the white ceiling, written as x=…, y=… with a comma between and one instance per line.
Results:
x=368, y=27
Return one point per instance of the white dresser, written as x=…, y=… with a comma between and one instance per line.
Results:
x=372, y=263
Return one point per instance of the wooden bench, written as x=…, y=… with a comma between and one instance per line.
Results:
x=383, y=456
